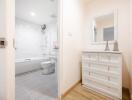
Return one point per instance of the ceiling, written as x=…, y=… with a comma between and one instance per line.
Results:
x=37, y=11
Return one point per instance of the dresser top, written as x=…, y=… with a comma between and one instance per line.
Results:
x=92, y=51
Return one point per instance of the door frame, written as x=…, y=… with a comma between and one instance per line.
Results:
x=60, y=55
x=10, y=51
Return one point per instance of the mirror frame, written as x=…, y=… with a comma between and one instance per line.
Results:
x=115, y=12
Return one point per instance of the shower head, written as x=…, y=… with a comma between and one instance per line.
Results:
x=43, y=28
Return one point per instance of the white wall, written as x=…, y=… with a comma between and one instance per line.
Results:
x=72, y=42
x=28, y=39
x=31, y=42
x=101, y=7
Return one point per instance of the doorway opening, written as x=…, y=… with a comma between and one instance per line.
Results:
x=36, y=49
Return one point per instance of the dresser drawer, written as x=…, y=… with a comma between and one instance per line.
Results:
x=102, y=88
x=115, y=69
x=90, y=57
x=106, y=73
x=115, y=79
x=116, y=59
x=104, y=57
x=95, y=66
x=85, y=64
x=88, y=73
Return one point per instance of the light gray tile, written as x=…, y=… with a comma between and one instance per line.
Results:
x=35, y=86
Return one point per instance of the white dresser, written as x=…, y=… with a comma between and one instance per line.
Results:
x=102, y=72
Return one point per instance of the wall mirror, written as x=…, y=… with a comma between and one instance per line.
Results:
x=105, y=28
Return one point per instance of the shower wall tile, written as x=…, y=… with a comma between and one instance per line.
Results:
x=31, y=42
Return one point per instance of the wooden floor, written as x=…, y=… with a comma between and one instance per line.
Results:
x=81, y=93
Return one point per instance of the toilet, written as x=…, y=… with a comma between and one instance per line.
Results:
x=48, y=67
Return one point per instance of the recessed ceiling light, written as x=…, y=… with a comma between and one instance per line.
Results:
x=32, y=13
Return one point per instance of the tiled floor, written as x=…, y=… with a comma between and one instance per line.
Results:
x=35, y=86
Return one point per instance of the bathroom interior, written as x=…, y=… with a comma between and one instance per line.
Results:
x=36, y=49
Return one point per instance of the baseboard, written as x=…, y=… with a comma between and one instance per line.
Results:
x=63, y=95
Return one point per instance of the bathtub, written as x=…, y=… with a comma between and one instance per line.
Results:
x=28, y=64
